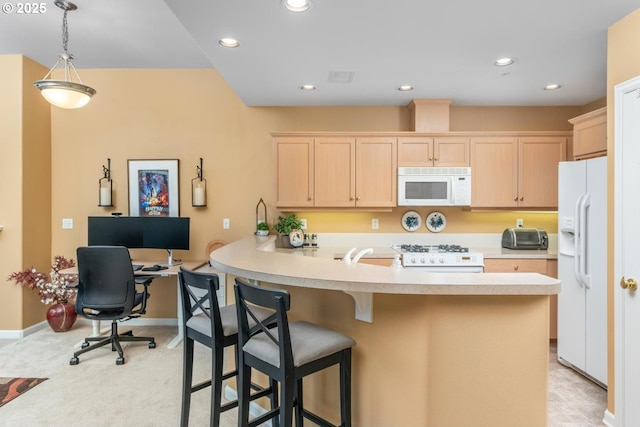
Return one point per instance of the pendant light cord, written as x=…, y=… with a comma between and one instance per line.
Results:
x=65, y=32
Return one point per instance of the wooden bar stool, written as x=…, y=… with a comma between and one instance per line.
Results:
x=217, y=328
x=286, y=353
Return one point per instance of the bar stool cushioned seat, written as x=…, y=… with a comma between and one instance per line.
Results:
x=309, y=342
x=214, y=327
x=286, y=353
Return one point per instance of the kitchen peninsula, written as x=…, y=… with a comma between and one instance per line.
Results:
x=442, y=350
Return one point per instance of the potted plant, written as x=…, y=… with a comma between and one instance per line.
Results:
x=284, y=226
x=262, y=229
x=54, y=289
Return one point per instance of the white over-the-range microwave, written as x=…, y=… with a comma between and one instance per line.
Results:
x=418, y=186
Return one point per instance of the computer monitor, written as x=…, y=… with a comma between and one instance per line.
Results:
x=141, y=233
x=114, y=231
x=166, y=233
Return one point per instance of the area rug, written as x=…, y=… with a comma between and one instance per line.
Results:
x=10, y=388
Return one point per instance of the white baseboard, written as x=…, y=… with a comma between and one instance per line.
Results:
x=21, y=333
x=255, y=410
x=609, y=419
x=139, y=321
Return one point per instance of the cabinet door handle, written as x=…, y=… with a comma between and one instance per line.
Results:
x=430, y=158
x=515, y=267
x=351, y=199
x=309, y=199
x=357, y=199
x=515, y=199
x=521, y=198
x=436, y=159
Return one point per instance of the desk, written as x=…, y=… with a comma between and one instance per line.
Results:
x=171, y=271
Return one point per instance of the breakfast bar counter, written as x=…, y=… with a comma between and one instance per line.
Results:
x=257, y=258
x=457, y=349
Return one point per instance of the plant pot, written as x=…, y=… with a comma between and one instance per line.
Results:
x=61, y=316
x=262, y=232
x=283, y=242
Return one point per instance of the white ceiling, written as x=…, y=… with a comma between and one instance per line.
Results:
x=445, y=49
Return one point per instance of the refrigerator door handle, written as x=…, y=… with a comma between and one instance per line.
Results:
x=586, y=279
x=576, y=242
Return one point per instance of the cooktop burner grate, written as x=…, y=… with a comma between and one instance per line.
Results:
x=431, y=248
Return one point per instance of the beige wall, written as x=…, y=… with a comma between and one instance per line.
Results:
x=25, y=187
x=623, y=63
x=10, y=189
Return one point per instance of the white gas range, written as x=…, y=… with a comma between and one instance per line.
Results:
x=441, y=258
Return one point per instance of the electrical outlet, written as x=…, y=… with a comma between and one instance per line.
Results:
x=304, y=223
x=519, y=223
x=67, y=223
x=226, y=223
x=374, y=223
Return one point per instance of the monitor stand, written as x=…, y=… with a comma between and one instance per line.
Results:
x=170, y=261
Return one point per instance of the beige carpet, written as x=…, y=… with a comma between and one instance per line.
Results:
x=145, y=391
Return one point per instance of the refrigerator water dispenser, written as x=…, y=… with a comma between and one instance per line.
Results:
x=567, y=236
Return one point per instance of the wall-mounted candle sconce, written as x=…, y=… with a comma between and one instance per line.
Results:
x=106, y=187
x=199, y=188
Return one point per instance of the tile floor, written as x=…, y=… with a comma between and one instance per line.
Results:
x=574, y=401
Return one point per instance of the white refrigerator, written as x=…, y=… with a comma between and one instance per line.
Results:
x=582, y=266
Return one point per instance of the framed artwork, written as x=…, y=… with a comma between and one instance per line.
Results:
x=153, y=188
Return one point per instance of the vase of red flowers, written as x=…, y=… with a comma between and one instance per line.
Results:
x=54, y=290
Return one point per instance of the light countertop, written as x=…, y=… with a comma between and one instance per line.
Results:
x=257, y=258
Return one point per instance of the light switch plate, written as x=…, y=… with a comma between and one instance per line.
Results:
x=67, y=223
x=374, y=223
x=226, y=224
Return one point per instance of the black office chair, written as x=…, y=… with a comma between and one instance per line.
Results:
x=286, y=353
x=216, y=328
x=107, y=291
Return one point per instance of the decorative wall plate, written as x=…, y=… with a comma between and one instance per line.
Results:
x=296, y=238
x=436, y=222
x=411, y=221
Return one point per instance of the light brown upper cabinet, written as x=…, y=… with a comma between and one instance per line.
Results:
x=376, y=172
x=293, y=159
x=590, y=134
x=441, y=151
x=338, y=172
x=516, y=172
x=335, y=185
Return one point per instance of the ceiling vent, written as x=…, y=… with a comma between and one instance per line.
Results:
x=340, y=76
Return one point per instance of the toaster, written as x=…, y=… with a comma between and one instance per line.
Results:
x=525, y=238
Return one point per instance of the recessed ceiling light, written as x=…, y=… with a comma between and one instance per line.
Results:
x=297, y=5
x=228, y=42
x=307, y=87
x=405, y=88
x=503, y=62
x=552, y=86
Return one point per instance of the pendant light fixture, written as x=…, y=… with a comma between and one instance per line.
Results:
x=65, y=93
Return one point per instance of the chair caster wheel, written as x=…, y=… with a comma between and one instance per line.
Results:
x=84, y=345
x=74, y=361
x=152, y=344
x=120, y=361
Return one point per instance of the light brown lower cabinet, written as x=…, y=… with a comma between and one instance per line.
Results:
x=548, y=267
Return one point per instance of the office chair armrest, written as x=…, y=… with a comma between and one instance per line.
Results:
x=144, y=280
